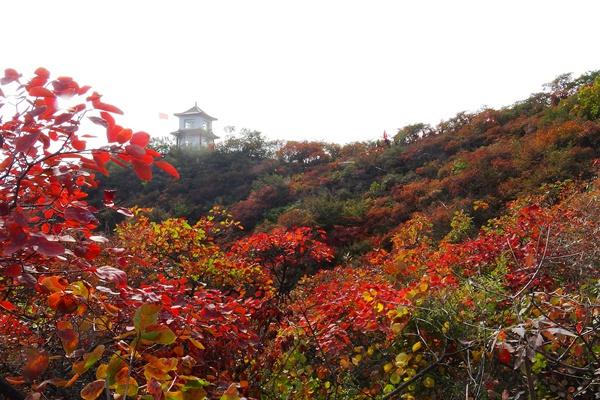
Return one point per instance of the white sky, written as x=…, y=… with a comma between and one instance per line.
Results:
x=319, y=70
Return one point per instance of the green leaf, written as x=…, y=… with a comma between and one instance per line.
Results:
x=145, y=316
x=158, y=334
x=89, y=359
x=193, y=382
x=115, y=364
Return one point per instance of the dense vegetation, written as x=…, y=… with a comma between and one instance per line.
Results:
x=456, y=261
x=361, y=192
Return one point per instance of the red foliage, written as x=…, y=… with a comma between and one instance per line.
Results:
x=287, y=254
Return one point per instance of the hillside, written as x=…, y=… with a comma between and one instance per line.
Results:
x=359, y=193
x=456, y=261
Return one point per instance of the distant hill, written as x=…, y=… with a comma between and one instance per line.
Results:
x=360, y=192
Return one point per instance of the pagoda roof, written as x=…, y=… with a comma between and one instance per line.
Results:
x=196, y=131
x=195, y=111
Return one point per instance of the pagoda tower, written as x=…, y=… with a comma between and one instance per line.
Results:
x=195, y=129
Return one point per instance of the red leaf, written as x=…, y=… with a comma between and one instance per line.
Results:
x=142, y=170
x=579, y=327
x=140, y=138
x=111, y=274
x=12, y=271
x=504, y=356
x=124, y=211
x=98, y=121
x=42, y=72
x=112, y=133
x=83, y=90
x=135, y=150
x=62, y=118
x=109, y=197
x=48, y=248
x=168, y=168
x=106, y=107
x=7, y=305
x=78, y=145
x=124, y=135
x=39, y=91
x=92, y=251
x=153, y=153
x=80, y=214
x=18, y=238
x=24, y=143
x=108, y=118
x=10, y=75
x=37, y=81
x=101, y=158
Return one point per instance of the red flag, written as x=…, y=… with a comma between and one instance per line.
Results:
x=163, y=115
x=385, y=136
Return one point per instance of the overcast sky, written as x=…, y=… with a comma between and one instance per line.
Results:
x=319, y=70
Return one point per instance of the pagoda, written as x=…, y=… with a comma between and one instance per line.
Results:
x=195, y=129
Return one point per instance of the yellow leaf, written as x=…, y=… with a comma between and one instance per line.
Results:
x=446, y=327
x=397, y=327
x=416, y=347
x=129, y=387
x=101, y=371
x=402, y=359
x=428, y=382
x=196, y=343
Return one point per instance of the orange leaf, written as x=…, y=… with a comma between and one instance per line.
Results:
x=67, y=336
x=93, y=390
x=163, y=364
x=14, y=380
x=54, y=283
x=36, y=362
x=62, y=303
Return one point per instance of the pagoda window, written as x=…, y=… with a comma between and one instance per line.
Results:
x=188, y=124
